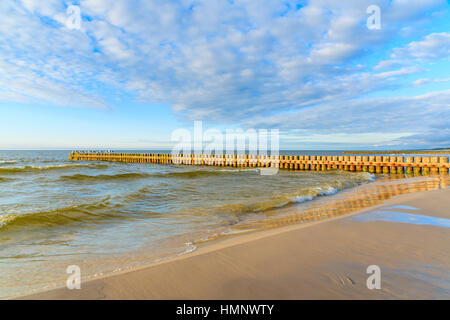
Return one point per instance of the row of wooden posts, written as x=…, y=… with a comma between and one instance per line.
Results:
x=373, y=164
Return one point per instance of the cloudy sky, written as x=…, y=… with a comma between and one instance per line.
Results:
x=134, y=71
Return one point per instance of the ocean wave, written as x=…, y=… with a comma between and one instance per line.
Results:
x=316, y=192
x=327, y=191
x=5, y=179
x=271, y=202
x=105, y=177
x=201, y=173
x=366, y=176
x=156, y=195
x=11, y=170
x=58, y=217
x=334, y=187
x=301, y=199
x=2, y=162
x=277, y=201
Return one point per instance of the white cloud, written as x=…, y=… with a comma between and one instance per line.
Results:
x=420, y=82
x=406, y=10
x=388, y=64
x=234, y=61
x=399, y=72
x=433, y=46
x=393, y=115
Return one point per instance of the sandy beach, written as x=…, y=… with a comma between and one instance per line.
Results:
x=326, y=259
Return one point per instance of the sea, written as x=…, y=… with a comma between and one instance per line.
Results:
x=108, y=217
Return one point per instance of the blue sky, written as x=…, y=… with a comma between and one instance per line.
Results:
x=135, y=71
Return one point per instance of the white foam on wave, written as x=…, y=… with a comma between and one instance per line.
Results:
x=7, y=162
x=57, y=166
x=367, y=176
x=301, y=199
x=190, y=248
x=5, y=219
x=238, y=170
x=327, y=191
x=320, y=191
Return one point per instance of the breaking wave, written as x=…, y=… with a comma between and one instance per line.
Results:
x=60, y=216
x=202, y=173
x=11, y=170
x=5, y=179
x=105, y=177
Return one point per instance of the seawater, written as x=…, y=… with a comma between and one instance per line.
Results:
x=107, y=217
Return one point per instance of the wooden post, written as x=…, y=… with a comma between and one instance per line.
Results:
x=392, y=167
x=386, y=166
x=426, y=170
x=417, y=162
x=302, y=165
x=334, y=159
x=318, y=167
x=282, y=162
x=434, y=165
x=400, y=168
x=365, y=160
x=378, y=160
x=329, y=165
x=409, y=167
x=341, y=165
x=346, y=165
x=312, y=166
x=352, y=164
x=443, y=160
x=358, y=159
x=296, y=164
x=323, y=166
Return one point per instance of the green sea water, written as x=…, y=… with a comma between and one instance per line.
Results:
x=107, y=217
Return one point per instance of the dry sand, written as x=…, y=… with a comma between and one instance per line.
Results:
x=320, y=260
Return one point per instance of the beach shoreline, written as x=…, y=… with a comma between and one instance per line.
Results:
x=269, y=264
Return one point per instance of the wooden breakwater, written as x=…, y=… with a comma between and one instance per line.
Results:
x=399, y=152
x=372, y=164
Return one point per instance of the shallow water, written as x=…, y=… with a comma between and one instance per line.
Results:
x=106, y=217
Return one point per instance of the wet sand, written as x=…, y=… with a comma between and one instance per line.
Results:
x=319, y=260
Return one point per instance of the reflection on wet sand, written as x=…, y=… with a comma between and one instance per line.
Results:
x=402, y=217
x=349, y=202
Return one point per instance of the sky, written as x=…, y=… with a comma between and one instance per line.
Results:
x=129, y=73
